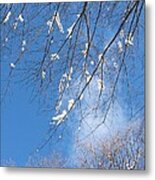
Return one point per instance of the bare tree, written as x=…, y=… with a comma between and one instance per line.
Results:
x=124, y=150
x=53, y=160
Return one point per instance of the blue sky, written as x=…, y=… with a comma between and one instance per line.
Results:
x=24, y=123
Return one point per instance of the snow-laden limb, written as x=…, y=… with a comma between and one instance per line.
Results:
x=12, y=65
x=129, y=40
x=57, y=19
x=7, y=17
x=54, y=57
x=60, y=117
x=70, y=104
x=120, y=47
x=100, y=85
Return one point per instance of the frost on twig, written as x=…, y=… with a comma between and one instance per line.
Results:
x=54, y=56
x=64, y=81
x=23, y=45
x=43, y=74
x=70, y=31
x=120, y=47
x=88, y=76
x=122, y=33
x=115, y=65
x=100, y=56
x=50, y=26
x=85, y=51
x=12, y=65
x=69, y=77
x=92, y=63
x=81, y=97
x=60, y=137
x=100, y=85
x=6, y=39
x=70, y=104
x=15, y=24
x=20, y=18
x=7, y=17
x=61, y=85
x=50, y=23
x=58, y=106
x=57, y=19
x=129, y=40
